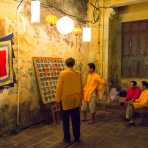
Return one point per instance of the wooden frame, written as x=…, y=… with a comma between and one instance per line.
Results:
x=47, y=70
x=134, y=49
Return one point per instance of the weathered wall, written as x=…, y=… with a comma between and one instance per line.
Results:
x=8, y=98
x=123, y=14
x=117, y=3
x=43, y=40
x=100, y=36
x=94, y=53
x=35, y=40
x=115, y=50
x=134, y=12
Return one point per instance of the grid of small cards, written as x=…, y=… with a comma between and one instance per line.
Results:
x=47, y=72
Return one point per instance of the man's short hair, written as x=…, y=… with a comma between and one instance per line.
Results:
x=70, y=62
x=92, y=66
x=145, y=84
x=134, y=83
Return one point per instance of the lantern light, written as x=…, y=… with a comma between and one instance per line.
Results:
x=86, y=35
x=77, y=30
x=35, y=11
x=51, y=19
x=65, y=25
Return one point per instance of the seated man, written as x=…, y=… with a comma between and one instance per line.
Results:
x=139, y=103
x=133, y=92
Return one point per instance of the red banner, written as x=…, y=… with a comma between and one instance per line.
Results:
x=3, y=71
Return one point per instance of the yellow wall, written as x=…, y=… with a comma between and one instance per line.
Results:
x=10, y=6
x=94, y=53
x=98, y=49
x=33, y=40
x=117, y=3
x=134, y=12
x=125, y=14
x=7, y=24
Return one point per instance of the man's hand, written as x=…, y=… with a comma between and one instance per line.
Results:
x=131, y=102
x=57, y=105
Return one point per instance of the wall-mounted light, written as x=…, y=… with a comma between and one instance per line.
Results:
x=35, y=11
x=86, y=34
x=65, y=25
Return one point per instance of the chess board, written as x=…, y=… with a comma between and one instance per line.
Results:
x=47, y=71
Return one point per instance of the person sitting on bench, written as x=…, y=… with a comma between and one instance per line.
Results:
x=139, y=103
x=133, y=92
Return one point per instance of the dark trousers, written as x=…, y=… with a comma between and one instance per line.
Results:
x=74, y=115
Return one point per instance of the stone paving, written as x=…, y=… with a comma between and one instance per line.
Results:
x=110, y=131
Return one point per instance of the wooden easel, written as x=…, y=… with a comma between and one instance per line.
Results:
x=47, y=70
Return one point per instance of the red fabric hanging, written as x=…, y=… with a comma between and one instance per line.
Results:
x=3, y=70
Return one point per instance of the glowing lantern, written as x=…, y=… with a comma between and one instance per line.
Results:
x=35, y=11
x=51, y=19
x=86, y=36
x=77, y=30
x=65, y=25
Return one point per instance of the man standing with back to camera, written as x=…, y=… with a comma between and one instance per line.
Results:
x=69, y=94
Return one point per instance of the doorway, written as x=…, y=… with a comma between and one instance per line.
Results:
x=134, y=49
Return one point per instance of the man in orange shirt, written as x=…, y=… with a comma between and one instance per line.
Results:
x=139, y=103
x=69, y=94
x=92, y=89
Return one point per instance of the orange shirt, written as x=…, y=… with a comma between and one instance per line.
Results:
x=142, y=101
x=94, y=84
x=69, y=89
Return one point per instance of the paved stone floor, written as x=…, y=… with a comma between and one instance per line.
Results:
x=110, y=131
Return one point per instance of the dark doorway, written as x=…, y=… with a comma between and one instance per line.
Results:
x=134, y=56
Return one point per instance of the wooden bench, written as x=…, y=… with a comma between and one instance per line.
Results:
x=143, y=114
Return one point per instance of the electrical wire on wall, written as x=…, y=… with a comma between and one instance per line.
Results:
x=103, y=19
x=96, y=12
x=84, y=3
x=19, y=4
x=18, y=84
x=80, y=19
x=95, y=6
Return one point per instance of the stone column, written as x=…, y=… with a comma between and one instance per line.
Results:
x=104, y=40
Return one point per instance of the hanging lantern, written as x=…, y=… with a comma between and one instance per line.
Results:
x=77, y=31
x=86, y=35
x=65, y=25
x=35, y=11
x=51, y=19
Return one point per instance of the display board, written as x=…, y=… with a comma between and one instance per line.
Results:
x=47, y=71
